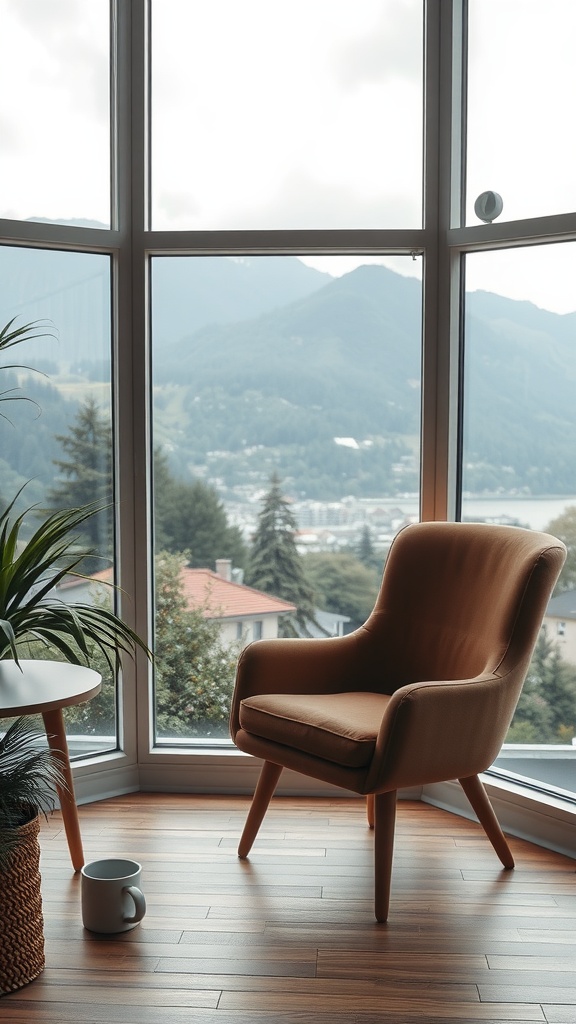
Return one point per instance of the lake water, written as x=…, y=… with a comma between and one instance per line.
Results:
x=536, y=513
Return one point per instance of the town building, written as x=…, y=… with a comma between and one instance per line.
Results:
x=560, y=619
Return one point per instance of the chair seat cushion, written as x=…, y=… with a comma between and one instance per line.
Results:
x=339, y=727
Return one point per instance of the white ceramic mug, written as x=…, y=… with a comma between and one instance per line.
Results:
x=112, y=900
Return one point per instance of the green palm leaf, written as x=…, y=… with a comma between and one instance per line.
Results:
x=9, y=336
x=28, y=575
x=30, y=773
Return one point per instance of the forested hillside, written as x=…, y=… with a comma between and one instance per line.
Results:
x=264, y=364
x=520, y=417
x=278, y=389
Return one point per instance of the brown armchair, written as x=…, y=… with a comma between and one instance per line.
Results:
x=423, y=692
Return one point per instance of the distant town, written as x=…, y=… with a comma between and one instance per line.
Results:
x=339, y=525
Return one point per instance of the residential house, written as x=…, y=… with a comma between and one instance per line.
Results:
x=243, y=613
x=560, y=619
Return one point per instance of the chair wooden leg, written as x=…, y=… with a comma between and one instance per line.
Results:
x=484, y=811
x=370, y=809
x=384, y=821
x=262, y=796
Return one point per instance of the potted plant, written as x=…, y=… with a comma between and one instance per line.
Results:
x=29, y=771
x=29, y=571
x=34, y=620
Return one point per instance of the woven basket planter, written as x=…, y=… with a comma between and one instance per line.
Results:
x=21, y=921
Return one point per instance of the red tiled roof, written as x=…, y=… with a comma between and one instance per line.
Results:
x=220, y=598
x=226, y=600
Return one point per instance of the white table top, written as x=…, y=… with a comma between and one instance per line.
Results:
x=39, y=686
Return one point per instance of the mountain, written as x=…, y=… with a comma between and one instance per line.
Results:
x=356, y=338
x=190, y=292
x=344, y=362
x=72, y=291
x=519, y=412
x=264, y=364
x=275, y=391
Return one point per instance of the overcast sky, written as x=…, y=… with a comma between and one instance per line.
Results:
x=302, y=114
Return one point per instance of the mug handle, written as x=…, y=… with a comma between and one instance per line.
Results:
x=139, y=903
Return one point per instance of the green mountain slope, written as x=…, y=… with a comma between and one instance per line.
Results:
x=275, y=392
x=520, y=410
x=343, y=355
x=264, y=364
x=345, y=362
x=189, y=292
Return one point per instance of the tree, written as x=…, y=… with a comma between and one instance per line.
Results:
x=546, y=711
x=365, y=546
x=275, y=565
x=342, y=584
x=190, y=517
x=367, y=553
x=194, y=670
x=564, y=527
x=86, y=477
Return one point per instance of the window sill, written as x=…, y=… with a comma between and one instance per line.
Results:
x=548, y=821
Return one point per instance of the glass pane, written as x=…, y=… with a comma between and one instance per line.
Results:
x=519, y=466
x=521, y=88
x=279, y=386
x=56, y=432
x=55, y=111
x=286, y=115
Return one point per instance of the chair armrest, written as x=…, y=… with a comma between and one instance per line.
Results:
x=293, y=665
x=439, y=730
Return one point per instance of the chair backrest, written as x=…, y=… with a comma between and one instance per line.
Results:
x=461, y=599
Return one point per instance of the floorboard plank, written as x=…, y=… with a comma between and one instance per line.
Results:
x=288, y=936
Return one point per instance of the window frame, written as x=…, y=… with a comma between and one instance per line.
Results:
x=441, y=242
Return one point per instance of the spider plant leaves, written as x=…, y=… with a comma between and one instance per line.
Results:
x=30, y=571
x=11, y=335
x=30, y=773
x=29, y=575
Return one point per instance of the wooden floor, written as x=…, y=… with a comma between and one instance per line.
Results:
x=288, y=937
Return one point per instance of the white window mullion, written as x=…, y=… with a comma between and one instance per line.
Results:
x=442, y=204
x=131, y=379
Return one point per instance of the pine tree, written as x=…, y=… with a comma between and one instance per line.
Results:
x=365, y=546
x=557, y=682
x=86, y=476
x=546, y=711
x=366, y=552
x=275, y=566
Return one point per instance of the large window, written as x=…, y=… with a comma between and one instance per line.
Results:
x=56, y=442
x=518, y=461
x=269, y=368
x=239, y=221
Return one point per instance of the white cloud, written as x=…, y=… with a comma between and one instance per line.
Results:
x=295, y=114
x=54, y=89
x=260, y=112
x=384, y=50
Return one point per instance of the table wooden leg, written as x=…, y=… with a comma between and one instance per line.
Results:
x=54, y=725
